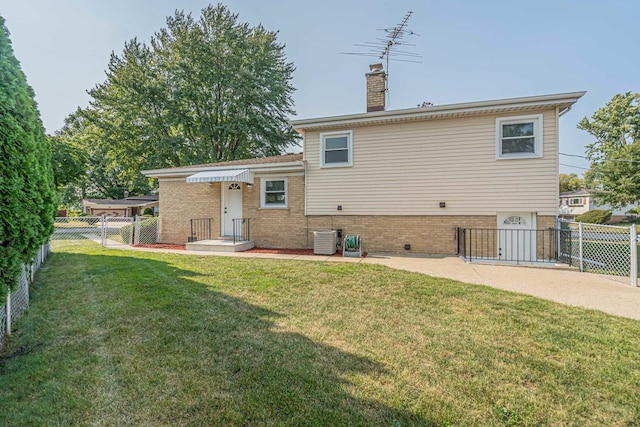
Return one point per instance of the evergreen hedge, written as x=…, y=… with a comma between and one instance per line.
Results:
x=595, y=216
x=27, y=198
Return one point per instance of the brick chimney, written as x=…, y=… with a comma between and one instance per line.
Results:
x=376, y=88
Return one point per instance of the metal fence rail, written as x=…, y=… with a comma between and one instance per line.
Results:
x=17, y=302
x=200, y=229
x=508, y=245
x=241, y=230
x=601, y=249
x=594, y=248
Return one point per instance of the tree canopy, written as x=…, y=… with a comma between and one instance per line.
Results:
x=203, y=90
x=570, y=182
x=615, y=154
x=26, y=178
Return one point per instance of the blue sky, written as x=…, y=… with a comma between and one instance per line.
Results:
x=472, y=50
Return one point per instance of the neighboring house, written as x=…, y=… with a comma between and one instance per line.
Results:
x=575, y=203
x=129, y=206
x=396, y=178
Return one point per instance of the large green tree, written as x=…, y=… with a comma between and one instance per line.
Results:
x=87, y=165
x=26, y=179
x=203, y=90
x=615, y=154
x=570, y=182
x=69, y=170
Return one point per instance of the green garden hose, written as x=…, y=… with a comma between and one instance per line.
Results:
x=351, y=243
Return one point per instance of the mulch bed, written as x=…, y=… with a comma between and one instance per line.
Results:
x=292, y=252
x=286, y=251
x=253, y=250
x=162, y=246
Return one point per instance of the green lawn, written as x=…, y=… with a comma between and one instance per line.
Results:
x=132, y=338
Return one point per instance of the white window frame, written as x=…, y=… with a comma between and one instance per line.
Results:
x=572, y=201
x=536, y=119
x=323, y=137
x=263, y=193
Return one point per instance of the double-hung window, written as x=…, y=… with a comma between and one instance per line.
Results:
x=336, y=149
x=519, y=137
x=575, y=202
x=274, y=193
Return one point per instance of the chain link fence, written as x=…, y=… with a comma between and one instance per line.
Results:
x=17, y=302
x=147, y=230
x=117, y=230
x=77, y=233
x=601, y=249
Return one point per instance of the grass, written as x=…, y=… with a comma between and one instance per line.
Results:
x=132, y=338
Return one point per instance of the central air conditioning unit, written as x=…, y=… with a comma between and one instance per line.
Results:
x=324, y=242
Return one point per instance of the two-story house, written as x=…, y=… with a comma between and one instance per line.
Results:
x=575, y=203
x=399, y=179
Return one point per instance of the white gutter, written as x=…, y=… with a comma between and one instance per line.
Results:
x=440, y=110
x=256, y=168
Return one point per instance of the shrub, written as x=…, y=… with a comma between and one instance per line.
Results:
x=596, y=216
x=28, y=205
x=634, y=211
x=148, y=212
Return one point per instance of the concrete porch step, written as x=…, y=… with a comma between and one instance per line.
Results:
x=220, y=245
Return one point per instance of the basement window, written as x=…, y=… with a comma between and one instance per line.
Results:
x=519, y=137
x=336, y=149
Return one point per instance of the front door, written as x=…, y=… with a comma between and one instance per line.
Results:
x=231, y=206
x=517, y=236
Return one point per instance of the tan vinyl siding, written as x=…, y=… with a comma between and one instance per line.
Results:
x=408, y=168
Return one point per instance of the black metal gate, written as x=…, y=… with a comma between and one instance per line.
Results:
x=510, y=245
x=565, y=244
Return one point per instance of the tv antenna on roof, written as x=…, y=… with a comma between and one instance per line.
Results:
x=385, y=48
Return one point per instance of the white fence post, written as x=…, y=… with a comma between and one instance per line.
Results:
x=634, y=255
x=103, y=231
x=8, y=308
x=580, y=254
x=136, y=226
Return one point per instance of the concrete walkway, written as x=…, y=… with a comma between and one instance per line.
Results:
x=563, y=285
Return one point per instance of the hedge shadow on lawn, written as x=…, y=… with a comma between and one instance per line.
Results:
x=156, y=347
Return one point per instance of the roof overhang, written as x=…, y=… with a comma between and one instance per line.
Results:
x=237, y=175
x=109, y=205
x=560, y=101
x=187, y=171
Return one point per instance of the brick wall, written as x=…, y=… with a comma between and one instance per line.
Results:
x=278, y=228
x=376, y=91
x=181, y=202
x=289, y=228
x=435, y=235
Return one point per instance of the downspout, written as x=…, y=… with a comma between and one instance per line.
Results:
x=306, y=218
x=557, y=164
x=304, y=163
